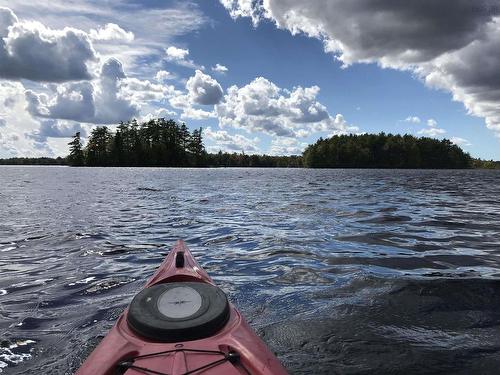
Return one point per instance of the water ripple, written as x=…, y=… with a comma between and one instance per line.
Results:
x=340, y=271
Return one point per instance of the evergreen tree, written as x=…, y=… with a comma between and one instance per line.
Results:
x=98, y=147
x=196, y=147
x=76, y=157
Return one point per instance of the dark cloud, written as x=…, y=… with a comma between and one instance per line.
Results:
x=81, y=101
x=413, y=30
x=29, y=50
x=203, y=89
x=55, y=129
x=74, y=101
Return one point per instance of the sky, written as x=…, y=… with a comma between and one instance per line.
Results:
x=260, y=76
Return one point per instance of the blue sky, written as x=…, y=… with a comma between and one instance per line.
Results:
x=260, y=77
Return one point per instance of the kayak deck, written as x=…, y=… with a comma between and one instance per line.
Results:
x=234, y=349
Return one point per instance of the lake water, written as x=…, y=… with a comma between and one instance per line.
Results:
x=339, y=271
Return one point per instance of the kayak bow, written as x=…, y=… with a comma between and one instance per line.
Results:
x=181, y=323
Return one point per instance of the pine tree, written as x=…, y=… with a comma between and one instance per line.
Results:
x=76, y=158
x=196, y=147
x=97, y=149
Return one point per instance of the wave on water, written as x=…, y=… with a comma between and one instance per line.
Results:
x=339, y=271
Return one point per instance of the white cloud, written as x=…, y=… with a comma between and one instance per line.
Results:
x=220, y=68
x=287, y=146
x=453, y=45
x=111, y=31
x=174, y=53
x=179, y=56
x=19, y=123
x=30, y=50
x=163, y=76
x=261, y=106
x=231, y=143
x=196, y=114
x=460, y=141
x=245, y=8
x=143, y=91
x=341, y=126
x=432, y=130
x=432, y=123
x=180, y=101
x=158, y=113
x=203, y=89
x=7, y=147
x=413, y=119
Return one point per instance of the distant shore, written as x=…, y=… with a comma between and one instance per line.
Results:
x=46, y=161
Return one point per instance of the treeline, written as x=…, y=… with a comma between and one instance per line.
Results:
x=33, y=161
x=224, y=159
x=485, y=164
x=156, y=143
x=385, y=151
x=166, y=143
x=160, y=143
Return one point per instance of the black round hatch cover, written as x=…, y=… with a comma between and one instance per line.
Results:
x=178, y=311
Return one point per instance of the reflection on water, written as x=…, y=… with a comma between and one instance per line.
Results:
x=340, y=271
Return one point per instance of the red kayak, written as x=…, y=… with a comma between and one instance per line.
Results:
x=181, y=323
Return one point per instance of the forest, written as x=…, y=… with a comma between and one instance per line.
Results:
x=160, y=143
x=385, y=151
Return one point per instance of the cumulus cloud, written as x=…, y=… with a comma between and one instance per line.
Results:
x=29, y=50
x=111, y=31
x=220, y=68
x=162, y=76
x=432, y=130
x=196, y=114
x=413, y=119
x=144, y=91
x=98, y=103
x=287, y=146
x=158, y=113
x=432, y=123
x=175, y=53
x=231, y=143
x=179, y=56
x=203, y=89
x=450, y=44
x=56, y=129
x=263, y=106
x=460, y=141
x=180, y=101
x=74, y=101
x=18, y=123
x=7, y=146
